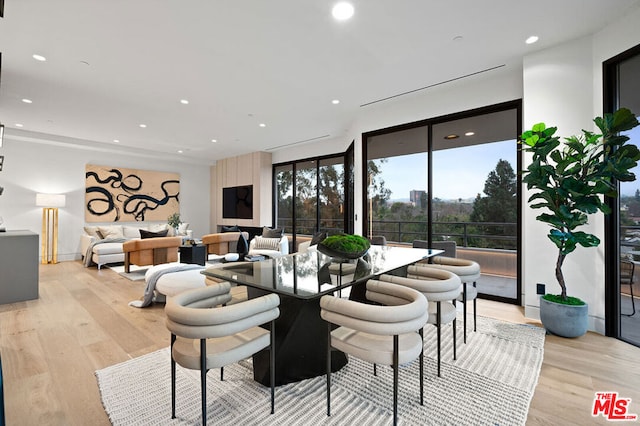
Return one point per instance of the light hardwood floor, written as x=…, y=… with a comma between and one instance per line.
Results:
x=52, y=346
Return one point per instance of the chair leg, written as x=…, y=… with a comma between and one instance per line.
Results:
x=173, y=379
x=633, y=303
x=421, y=333
x=328, y=369
x=454, y=331
x=203, y=378
x=375, y=369
x=272, y=360
x=395, y=380
x=438, y=333
x=464, y=311
x=474, y=310
x=222, y=374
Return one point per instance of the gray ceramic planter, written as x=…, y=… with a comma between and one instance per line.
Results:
x=564, y=320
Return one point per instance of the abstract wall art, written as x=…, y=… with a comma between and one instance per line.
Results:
x=116, y=194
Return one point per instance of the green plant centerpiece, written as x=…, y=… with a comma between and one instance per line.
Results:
x=174, y=221
x=571, y=179
x=345, y=246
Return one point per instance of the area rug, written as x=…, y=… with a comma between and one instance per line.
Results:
x=136, y=273
x=491, y=383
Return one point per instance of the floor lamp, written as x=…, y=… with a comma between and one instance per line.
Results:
x=50, y=204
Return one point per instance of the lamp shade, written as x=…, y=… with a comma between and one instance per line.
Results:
x=50, y=200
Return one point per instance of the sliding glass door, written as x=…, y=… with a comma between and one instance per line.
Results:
x=475, y=200
x=451, y=179
x=314, y=195
x=623, y=233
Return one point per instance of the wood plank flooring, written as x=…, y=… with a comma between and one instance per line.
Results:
x=52, y=346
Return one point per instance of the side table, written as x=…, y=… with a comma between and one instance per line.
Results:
x=193, y=254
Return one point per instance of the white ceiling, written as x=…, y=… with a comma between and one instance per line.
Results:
x=112, y=65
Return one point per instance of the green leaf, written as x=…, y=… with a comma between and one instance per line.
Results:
x=586, y=240
x=623, y=120
x=531, y=140
x=540, y=127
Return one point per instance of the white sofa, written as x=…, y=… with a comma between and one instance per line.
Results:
x=105, y=241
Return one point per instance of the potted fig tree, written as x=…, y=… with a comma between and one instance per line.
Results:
x=570, y=180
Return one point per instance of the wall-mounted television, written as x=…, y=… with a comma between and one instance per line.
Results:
x=237, y=202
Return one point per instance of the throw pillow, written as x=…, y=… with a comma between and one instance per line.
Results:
x=150, y=234
x=131, y=231
x=158, y=227
x=233, y=228
x=114, y=231
x=242, y=247
x=182, y=228
x=92, y=231
x=318, y=237
x=263, y=243
x=272, y=233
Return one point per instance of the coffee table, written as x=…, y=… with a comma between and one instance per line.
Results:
x=301, y=279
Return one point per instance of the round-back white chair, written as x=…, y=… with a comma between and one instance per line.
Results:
x=388, y=335
x=468, y=271
x=205, y=335
x=441, y=288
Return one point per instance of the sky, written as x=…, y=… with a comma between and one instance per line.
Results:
x=461, y=172
x=457, y=173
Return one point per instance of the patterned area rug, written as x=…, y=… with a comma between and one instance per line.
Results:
x=491, y=383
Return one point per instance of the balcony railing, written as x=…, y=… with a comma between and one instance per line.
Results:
x=465, y=234
x=493, y=245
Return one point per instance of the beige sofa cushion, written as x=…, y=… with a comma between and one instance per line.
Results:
x=111, y=231
x=131, y=231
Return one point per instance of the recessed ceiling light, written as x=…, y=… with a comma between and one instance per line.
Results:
x=451, y=136
x=470, y=133
x=27, y=101
x=531, y=40
x=179, y=151
x=116, y=140
x=335, y=101
x=342, y=11
x=214, y=140
x=184, y=101
x=143, y=125
x=262, y=125
x=39, y=58
x=19, y=125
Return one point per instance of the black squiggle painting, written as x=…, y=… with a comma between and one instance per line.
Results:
x=126, y=195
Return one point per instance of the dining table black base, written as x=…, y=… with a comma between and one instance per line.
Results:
x=301, y=343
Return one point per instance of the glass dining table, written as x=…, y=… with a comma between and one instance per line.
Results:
x=301, y=279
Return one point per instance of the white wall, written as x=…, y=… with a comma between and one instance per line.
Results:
x=31, y=167
x=558, y=90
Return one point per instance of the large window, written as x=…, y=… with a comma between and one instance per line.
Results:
x=451, y=179
x=314, y=195
x=622, y=297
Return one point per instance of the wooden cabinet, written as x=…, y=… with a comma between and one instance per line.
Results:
x=18, y=266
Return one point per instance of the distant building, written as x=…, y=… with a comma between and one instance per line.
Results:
x=416, y=197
